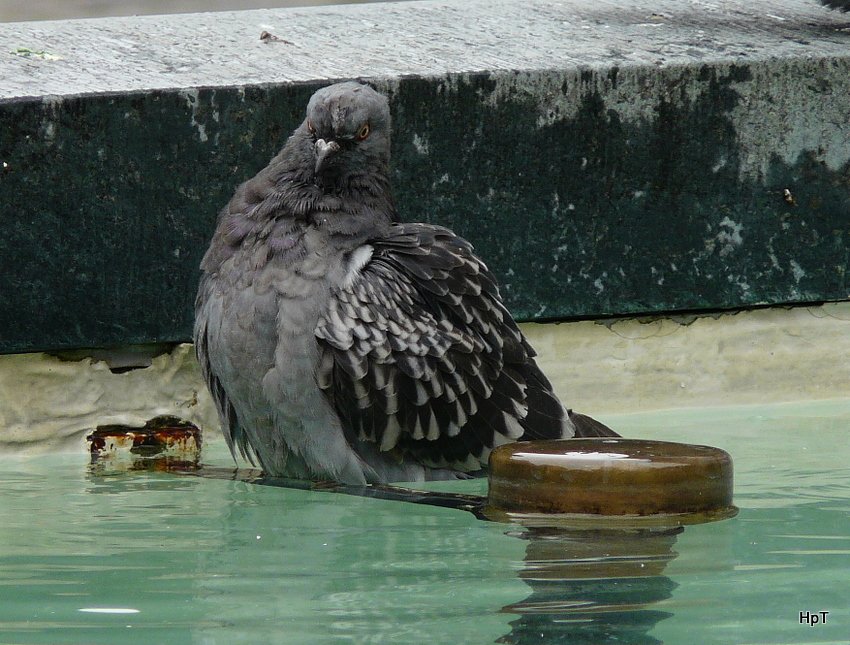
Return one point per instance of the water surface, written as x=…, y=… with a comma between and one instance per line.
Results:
x=159, y=558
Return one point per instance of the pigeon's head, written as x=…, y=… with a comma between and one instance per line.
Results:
x=349, y=124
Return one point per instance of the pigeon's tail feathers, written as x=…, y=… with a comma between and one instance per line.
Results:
x=586, y=426
x=548, y=419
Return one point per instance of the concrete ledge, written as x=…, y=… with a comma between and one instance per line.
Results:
x=755, y=357
x=760, y=357
x=605, y=160
x=48, y=403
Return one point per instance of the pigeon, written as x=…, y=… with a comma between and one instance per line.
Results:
x=342, y=344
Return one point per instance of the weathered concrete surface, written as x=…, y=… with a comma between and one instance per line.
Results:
x=48, y=403
x=759, y=357
x=745, y=358
x=431, y=38
x=604, y=160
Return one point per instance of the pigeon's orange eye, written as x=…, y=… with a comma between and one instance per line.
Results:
x=363, y=132
x=310, y=127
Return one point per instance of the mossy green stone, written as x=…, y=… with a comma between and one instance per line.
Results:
x=600, y=166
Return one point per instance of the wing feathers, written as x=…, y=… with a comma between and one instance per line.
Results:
x=425, y=360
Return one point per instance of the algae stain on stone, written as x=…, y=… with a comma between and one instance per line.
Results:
x=797, y=271
x=26, y=52
x=421, y=144
x=191, y=98
x=629, y=170
x=52, y=107
x=791, y=112
x=729, y=237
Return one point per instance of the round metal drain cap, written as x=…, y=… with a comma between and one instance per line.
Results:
x=645, y=482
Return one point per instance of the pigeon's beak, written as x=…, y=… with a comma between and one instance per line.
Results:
x=325, y=151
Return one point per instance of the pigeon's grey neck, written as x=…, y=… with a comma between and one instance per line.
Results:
x=348, y=207
x=370, y=182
